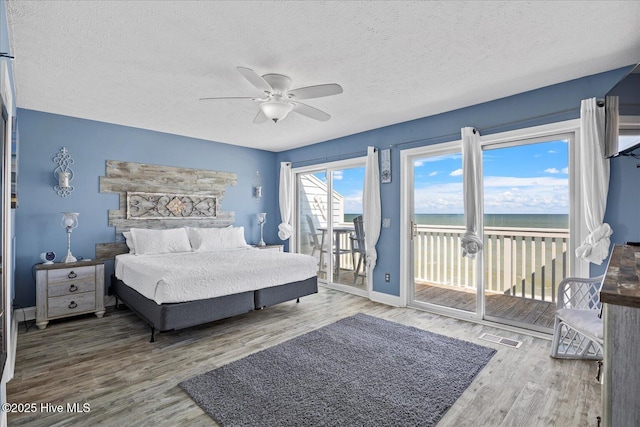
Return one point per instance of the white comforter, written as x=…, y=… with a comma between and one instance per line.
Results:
x=180, y=277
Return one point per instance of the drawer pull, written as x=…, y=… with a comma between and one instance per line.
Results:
x=72, y=275
x=73, y=288
x=73, y=304
x=598, y=375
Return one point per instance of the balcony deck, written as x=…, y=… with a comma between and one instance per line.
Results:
x=508, y=307
x=527, y=262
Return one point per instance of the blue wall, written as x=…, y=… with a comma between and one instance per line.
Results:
x=519, y=111
x=90, y=144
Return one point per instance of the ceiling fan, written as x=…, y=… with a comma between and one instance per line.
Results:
x=280, y=100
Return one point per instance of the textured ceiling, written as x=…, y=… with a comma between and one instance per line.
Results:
x=146, y=63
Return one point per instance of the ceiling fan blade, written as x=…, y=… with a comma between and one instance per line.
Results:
x=229, y=97
x=317, y=91
x=255, y=79
x=260, y=117
x=311, y=112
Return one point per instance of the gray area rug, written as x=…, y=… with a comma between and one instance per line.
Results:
x=359, y=371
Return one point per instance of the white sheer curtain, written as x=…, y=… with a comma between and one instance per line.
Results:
x=371, y=216
x=594, y=181
x=472, y=177
x=612, y=124
x=285, y=229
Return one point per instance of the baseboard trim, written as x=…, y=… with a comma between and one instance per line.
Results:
x=24, y=314
x=383, y=298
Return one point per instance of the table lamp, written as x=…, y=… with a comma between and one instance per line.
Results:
x=69, y=222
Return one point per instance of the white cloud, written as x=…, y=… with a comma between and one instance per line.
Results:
x=418, y=163
x=552, y=170
x=352, y=202
x=543, y=195
x=565, y=171
x=457, y=172
x=510, y=182
x=337, y=175
x=434, y=173
x=552, y=151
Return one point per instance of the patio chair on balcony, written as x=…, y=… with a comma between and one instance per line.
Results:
x=578, y=331
x=318, y=243
x=314, y=237
x=358, y=247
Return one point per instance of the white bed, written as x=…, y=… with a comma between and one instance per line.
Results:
x=189, y=276
x=184, y=277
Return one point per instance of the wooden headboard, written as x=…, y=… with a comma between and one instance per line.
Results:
x=161, y=197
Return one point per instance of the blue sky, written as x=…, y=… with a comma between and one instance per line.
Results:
x=531, y=179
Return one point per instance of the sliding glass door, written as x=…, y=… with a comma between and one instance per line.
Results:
x=527, y=217
x=329, y=200
x=526, y=230
x=442, y=277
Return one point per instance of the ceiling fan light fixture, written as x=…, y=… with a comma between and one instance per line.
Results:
x=276, y=110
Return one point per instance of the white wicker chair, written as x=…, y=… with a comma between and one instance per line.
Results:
x=578, y=331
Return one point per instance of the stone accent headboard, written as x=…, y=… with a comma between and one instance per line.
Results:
x=170, y=197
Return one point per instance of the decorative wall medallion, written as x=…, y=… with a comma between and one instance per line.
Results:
x=176, y=206
x=170, y=206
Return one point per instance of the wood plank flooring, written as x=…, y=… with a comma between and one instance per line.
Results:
x=523, y=310
x=127, y=381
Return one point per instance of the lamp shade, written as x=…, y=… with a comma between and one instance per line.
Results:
x=276, y=110
x=69, y=220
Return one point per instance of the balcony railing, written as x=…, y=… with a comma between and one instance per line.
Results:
x=523, y=262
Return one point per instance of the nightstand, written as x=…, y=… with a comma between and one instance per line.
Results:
x=68, y=289
x=277, y=248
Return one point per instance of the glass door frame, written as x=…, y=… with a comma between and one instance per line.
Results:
x=407, y=224
x=328, y=168
x=577, y=226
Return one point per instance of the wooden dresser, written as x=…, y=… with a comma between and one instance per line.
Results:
x=620, y=296
x=68, y=289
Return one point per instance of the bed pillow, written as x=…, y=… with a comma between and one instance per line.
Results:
x=215, y=239
x=234, y=237
x=148, y=242
x=129, y=241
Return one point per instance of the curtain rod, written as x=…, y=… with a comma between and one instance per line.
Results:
x=336, y=157
x=453, y=136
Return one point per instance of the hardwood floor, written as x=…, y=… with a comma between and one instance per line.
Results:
x=127, y=381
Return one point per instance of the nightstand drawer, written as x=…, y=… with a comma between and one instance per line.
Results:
x=67, y=289
x=75, y=274
x=71, y=304
x=70, y=288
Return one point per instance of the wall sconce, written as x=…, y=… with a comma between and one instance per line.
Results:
x=63, y=173
x=257, y=187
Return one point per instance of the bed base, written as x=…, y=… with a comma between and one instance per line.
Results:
x=166, y=317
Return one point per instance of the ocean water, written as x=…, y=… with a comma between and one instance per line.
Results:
x=500, y=220
x=492, y=220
